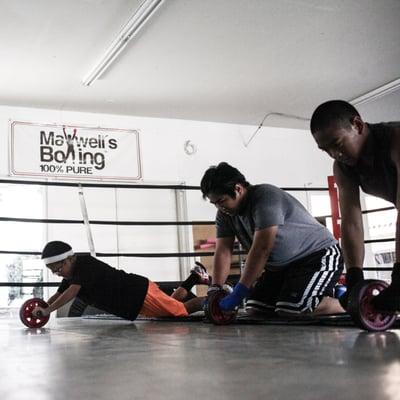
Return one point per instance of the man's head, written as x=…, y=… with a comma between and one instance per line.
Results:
x=225, y=187
x=339, y=130
x=59, y=258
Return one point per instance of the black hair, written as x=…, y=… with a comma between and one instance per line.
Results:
x=221, y=179
x=339, y=112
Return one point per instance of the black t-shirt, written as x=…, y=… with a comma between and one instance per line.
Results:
x=107, y=288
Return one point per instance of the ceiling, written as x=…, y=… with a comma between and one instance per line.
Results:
x=211, y=60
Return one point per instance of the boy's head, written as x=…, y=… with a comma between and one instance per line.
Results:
x=58, y=257
x=339, y=130
x=225, y=187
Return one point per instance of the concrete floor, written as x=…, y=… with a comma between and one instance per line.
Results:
x=74, y=358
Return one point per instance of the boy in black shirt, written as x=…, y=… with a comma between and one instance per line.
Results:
x=367, y=158
x=123, y=294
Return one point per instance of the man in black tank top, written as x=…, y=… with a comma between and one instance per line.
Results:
x=367, y=156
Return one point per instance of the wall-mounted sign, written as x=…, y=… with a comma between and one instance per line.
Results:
x=74, y=151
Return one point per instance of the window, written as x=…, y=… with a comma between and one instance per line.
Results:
x=20, y=201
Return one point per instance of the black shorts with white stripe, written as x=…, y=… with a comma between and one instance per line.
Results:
x=300, y=286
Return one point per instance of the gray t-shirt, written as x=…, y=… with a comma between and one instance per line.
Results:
x=299, y=233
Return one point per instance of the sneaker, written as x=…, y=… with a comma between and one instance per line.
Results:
x=200, y=270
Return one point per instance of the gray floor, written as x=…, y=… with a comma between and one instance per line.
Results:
x=74, y=358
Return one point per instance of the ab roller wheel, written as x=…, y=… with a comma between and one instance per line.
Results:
x=25, y=313
x=363, y=312
x=214, y=313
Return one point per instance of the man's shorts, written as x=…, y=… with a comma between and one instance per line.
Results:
x=159, y=304
x=300, y=286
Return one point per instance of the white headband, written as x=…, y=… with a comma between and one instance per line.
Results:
x=58, y=257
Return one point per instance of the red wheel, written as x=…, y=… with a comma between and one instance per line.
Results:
x=363, y=312
x=25, y=313
x=214, y=313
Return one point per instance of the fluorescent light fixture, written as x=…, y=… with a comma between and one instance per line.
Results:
x=377, y=93
x=131, y=28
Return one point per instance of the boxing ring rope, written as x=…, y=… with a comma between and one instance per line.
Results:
x=140, y=223
x=132, y=186
x=328, y=189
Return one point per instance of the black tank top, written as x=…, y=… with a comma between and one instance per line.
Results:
x=379, y=176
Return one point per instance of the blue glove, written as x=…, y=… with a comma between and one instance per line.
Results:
x=230, y=302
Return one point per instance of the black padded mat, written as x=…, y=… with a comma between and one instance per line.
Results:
x=190, y=318
x=334, y=320
x=243, y=319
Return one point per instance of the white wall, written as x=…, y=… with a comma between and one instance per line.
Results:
x=283, y=157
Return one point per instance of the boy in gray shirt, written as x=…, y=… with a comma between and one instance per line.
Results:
x=293, y=262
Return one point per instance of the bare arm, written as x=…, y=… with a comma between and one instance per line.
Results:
x=222, y=260
x=398, y=233
x=53, y=298
x=395, y=156
x=64, y=297
x=352, y=229
x=257, y=257
x=398, y=228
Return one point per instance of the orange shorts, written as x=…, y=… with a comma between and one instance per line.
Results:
x=159, y=304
